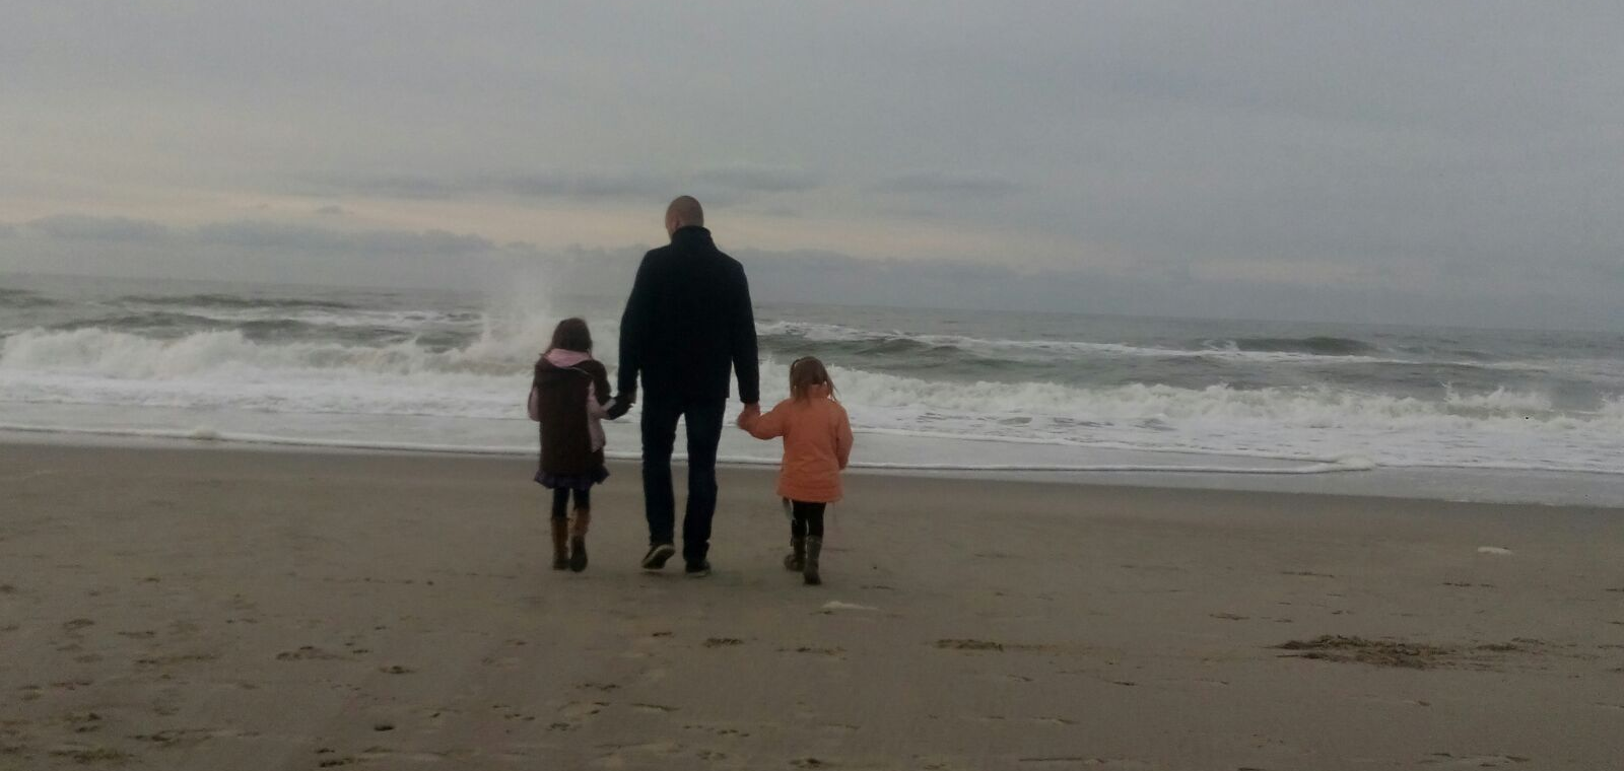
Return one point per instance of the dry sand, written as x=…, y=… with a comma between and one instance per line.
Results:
x=232, y=609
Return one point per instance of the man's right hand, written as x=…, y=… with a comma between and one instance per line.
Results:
x=622, y=405
x=748, y=415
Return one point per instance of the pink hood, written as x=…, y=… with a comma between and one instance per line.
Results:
x=559, y=357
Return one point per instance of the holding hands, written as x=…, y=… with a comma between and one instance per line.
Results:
x=622, y=404
x=748, y=415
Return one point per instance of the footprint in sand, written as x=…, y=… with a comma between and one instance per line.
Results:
x=88, y=755
x=817, y=651
x=580, y=709
x=719, y=731
x=969, y=645
x=1048, y=721
x=83, y=722
x=574, y=714
x=178, y=658
x=617, y=755
x=1075, y=760
x=177, y=737
x=1472, y=761
x=309, y=653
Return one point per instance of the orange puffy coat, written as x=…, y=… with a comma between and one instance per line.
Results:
x=817, y=445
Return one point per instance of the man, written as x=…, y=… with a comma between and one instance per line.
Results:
x=687, y=323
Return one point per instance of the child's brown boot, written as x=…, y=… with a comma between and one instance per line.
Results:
x=809, y=571
x=797, y=556
x=583, y=518
x=561, y=555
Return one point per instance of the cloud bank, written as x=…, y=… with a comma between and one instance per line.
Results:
x=1450, y=159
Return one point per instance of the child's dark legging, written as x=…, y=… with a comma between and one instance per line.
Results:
x=808, y=519
x=561, y=501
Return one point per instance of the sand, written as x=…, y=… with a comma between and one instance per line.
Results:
x=222, y=608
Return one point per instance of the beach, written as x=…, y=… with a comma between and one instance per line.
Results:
x=211, y=607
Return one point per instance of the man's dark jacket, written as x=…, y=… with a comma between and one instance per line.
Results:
x=687, y=323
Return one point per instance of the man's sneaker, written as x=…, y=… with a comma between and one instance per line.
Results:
x=697, y=569
x=657, y=555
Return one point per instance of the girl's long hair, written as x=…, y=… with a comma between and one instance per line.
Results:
x=805, y=374
x=572, y=335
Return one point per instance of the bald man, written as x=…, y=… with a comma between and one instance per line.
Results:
x=688, y=322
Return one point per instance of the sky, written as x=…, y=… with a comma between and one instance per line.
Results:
x=1436, y=163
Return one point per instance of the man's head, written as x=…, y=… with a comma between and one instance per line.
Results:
x=683, y=212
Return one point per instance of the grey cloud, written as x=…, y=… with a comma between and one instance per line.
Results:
x=947, y=184
x=84, y=226
x=272, y=236
x=1611, y=270
x=585, y=187
x=721, y=185
x=795, y=277
x=253, y=250
x=268, y=251
x=764, y=180
x=1407, y=139
x=405, y=186
x=332, y=210
x=258, y=235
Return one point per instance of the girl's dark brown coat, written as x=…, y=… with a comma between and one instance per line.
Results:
x=566, y=443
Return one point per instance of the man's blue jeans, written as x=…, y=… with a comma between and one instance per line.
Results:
x=704, y=419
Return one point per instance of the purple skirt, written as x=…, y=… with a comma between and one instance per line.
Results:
x=572, y=481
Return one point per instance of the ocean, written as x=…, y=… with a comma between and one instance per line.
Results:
x=1463, y=413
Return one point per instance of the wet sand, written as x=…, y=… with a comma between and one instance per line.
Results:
x=220, y=608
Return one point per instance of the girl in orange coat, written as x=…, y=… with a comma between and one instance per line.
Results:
x=817, y=445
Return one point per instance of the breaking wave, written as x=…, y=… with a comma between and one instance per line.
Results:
x=484, y=375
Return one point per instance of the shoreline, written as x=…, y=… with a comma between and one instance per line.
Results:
x=1552, y=489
